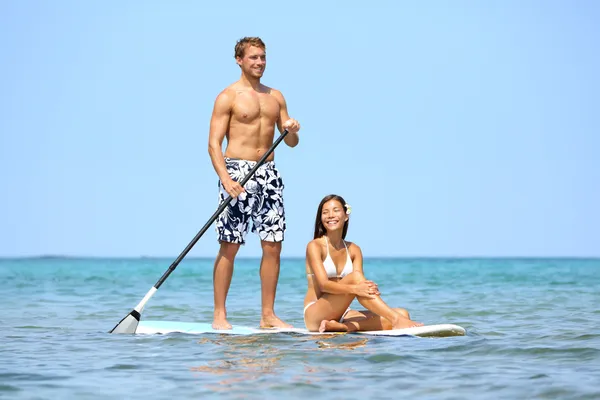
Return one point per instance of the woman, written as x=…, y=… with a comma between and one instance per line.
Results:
x=335, y=278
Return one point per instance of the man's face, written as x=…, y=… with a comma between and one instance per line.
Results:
x=254, y=61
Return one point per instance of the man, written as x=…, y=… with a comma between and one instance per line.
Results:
x=246, y=112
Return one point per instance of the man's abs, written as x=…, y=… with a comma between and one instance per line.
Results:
x=249, y=144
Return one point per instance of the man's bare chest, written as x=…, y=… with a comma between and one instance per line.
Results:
x=251, y=107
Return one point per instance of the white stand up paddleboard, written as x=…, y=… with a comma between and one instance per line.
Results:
x=164, y=327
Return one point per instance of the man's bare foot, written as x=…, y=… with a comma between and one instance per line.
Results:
x=403, y=322
x=273, y=322
x=220, y=322
x=332, y=326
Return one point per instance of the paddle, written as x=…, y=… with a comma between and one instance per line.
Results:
x=130, y=323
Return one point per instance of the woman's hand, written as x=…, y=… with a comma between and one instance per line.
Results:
x=367, y=289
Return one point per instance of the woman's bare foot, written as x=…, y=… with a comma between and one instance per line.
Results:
x=272, y=321
x=332, y=326
x=402, y=322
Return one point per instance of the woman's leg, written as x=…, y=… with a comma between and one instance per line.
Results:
x=379, y=307
x=364, y=321
x=330, y=307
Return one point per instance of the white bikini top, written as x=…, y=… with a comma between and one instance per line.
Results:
x=330, y=267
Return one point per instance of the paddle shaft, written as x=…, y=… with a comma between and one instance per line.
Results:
x=219, y=211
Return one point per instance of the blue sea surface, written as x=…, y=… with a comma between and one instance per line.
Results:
x=532, y=332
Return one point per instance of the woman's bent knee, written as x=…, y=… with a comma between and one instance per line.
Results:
x=353, y=277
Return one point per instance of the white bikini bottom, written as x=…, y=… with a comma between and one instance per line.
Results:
x=313, y=302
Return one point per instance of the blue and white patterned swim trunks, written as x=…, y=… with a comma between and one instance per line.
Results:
x=261, y=203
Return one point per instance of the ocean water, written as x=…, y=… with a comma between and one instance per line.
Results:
x=532, y=333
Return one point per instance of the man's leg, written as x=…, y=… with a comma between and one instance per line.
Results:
x=231, y=227
x=269, y=275
x=222, y=273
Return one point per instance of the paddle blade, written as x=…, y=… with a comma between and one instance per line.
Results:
x=128, y=324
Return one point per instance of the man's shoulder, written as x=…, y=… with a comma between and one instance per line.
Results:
x=269, y=90
x=229, y=90
x=275, y=93
x=226, y=96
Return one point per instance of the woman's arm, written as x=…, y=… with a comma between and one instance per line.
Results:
x=357, y=264
x=356, y=257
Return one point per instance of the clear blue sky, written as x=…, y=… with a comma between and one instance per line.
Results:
x=465, y=128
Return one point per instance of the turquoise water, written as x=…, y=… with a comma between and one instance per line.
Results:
x=533, y=332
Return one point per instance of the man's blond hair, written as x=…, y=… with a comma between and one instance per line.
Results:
x=243, y=43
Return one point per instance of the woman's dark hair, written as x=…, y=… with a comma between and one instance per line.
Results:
x=319, y=228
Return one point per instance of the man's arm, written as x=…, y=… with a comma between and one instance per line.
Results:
x=285, y=122
x=219, y=124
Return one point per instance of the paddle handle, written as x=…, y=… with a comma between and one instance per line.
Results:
x=218, y=212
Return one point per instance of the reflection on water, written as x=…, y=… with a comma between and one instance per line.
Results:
x=346, y=346
x=248, y=358
x=242, y=360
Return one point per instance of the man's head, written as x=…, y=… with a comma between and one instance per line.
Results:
x=251, y=56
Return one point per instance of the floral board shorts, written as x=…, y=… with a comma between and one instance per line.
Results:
x=261, y=204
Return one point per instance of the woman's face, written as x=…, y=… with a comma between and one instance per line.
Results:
x=333, y=215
